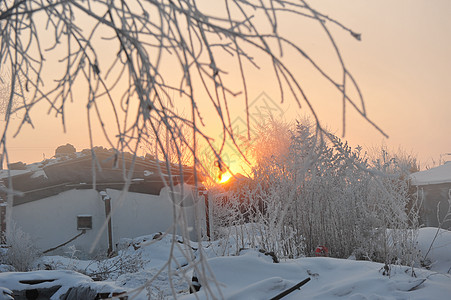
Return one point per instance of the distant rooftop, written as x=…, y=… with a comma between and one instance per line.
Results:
x=437, y=175
x=75, y=171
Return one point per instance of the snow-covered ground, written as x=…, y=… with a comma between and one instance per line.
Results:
x=253, y=277
x=249, y=275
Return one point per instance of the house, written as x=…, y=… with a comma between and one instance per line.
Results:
x=434, y=193
x=67, y=200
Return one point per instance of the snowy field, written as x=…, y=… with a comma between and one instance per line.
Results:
x=249, y=275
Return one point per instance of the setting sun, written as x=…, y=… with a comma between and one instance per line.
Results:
x=225, y=177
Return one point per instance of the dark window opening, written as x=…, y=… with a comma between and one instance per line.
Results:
x=84, y=222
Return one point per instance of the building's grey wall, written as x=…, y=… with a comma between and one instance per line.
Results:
x=435, y=196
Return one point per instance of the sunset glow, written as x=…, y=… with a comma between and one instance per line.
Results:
x=225, y=177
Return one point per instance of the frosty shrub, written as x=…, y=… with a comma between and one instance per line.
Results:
x=396, y=210
x=21, y=251
x=101, y=267
x=112, y=268
x=62, y=264
x=124, y=262
x=320, y=191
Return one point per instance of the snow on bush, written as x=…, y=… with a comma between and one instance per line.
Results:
x=21, y=251
x=101, y=267
x=309, y=192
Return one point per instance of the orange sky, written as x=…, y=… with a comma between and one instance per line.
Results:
x=402, y=65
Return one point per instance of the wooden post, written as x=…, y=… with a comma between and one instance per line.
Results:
x=107, y=199
x=202, y=191
x=207, y=214
x=3, y=206
x=108, y=216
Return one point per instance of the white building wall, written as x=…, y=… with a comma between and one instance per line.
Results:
x=142, y=214
x=52, y=221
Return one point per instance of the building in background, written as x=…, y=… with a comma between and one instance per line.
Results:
x=434, y=194
x=67, y=200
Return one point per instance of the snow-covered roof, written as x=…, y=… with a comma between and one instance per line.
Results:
x=437, y=175
x=6, y=173
x=74, y=171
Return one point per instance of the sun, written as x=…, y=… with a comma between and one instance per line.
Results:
x=225, y=177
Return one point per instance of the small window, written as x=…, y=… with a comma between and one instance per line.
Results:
x=84, y=222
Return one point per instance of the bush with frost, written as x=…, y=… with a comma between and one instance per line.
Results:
x=322, y=192
x=21, y=251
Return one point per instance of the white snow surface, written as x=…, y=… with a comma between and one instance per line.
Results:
x=64, y=278
x=439, y=255
x=253, y=275
x=437, y=175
